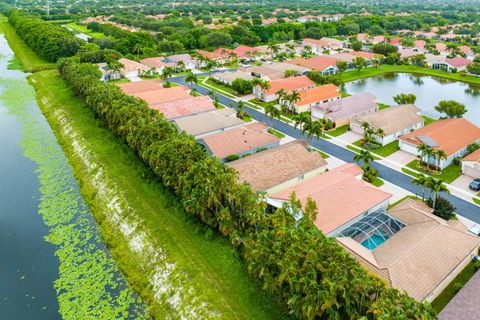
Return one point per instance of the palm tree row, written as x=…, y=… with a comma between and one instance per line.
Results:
x=288, y=100
x=427, y=153
x=371, y=136
x=295, y=261
x=434, y=185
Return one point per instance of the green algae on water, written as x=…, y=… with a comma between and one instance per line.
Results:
x=90, y=284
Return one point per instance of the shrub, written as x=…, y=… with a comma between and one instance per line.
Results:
x=457, y=286
x=476, y=265
x=443, y=208
x=242, y=86
x=457, y=161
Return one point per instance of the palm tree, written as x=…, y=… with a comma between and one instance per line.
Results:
x=380, y=134
x=435, y=187
x=441, y=155
x=240, y=109
x=300, y=119
x=272, y=111
x=363, y=156
x=423, y=181
x=313, y=128
x=191, y=78
x=180, y=66
x=167, y=72
x=274, y=48
x=292, y=99
x=425, y=152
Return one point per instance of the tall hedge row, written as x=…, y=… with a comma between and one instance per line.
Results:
x=310, y=272
x=48, y=40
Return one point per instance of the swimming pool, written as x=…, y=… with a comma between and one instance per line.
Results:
x=373, y=241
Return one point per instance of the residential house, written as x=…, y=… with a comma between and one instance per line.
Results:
x=203, y=124
x=315, y=97
x=343, y=111
x=334, y=44
x=363, y=37
x=156, y=64
x=132, y=88
x=451, y=64
x=107, y=73
x=246, y=52
x=410, y=248
x=318, y=46
x=369, y=56
x=471, y=164
x=131, y=69
x=281, y=67
x=324, y=64
x=263, y=73
x=419, y=45
x=175, y=109
x=220, y=55
x=163, y=95
x=229, y=77
x=188, y=60
x=450, y=135
x=276, y=169
x=246, y=140
x=378, y=39
x=395, y=121
x=466, y=49
x=340, y=194
x=288, y=85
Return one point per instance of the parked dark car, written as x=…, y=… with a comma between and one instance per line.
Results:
x=475, y=185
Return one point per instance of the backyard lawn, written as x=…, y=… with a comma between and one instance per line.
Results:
x=428, y=120
x=449, y=174
x=384, y=151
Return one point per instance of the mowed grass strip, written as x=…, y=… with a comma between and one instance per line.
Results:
x=211, y=264
x=30, y=60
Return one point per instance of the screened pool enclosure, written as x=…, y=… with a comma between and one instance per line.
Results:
x=373, y=229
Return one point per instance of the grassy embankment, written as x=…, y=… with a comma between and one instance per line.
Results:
x=30, y=61
x=385, y=68
x=204, y=262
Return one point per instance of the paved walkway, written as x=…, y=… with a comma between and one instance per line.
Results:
x=466, y=303
x=336, y=148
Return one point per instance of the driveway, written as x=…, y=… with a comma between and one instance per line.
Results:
x=350, y=137
x=401, y=157
x=462, y=182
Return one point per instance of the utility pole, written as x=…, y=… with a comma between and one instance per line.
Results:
x=48, y=8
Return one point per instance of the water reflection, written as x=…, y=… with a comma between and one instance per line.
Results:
x=429, y=91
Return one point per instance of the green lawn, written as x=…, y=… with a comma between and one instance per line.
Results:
x=220, y=87
x=384, y=151
x=398, y=201
x=384, y=68
x=428, y=120
x=121, y=80
x=449, y=174
x=378, y=182
x=449, y=292
x=209, y=264
x=276, y=133
x=30, y=60
x=83, y=29
x=338, y=131
x=263, y=104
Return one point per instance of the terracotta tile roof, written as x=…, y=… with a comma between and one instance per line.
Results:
x=163, y=95
x=264, y=72
x=421, y=255
x=318, y=94
x=362, y=36
x=154, y=62
x=140, y=86
x=239, y=140
x=289, y=84
x=420, y=44
x=339, y=195
x=458, y=62
x=363, y=54
x=270, y=168
x=184, y=107
x=465, y=49
x=316, y=42
x=450, y=135
x=395, y=41
x=130, y=65
x=393, y=119
x=441, y=47
x=220, y=53
x=474, y=156
x=318, y=63
x=378, y=39
x=242, y=51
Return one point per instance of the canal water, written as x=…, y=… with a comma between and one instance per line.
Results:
x=429, y=91
x=53, y=263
